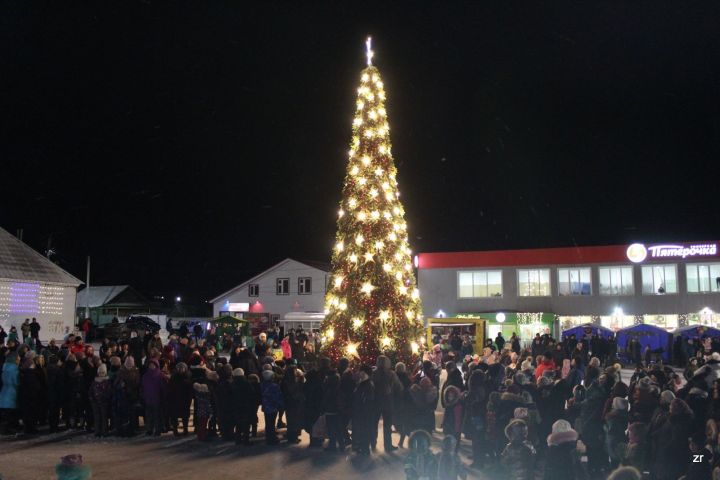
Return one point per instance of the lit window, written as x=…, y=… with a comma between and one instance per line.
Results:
x=703, y=277
x=573, y=281
x=304, y=285
x=480, y=284
x=616, y=281
x=253, y=290
x=283, y=286
x=534, y=283
x=659, y=279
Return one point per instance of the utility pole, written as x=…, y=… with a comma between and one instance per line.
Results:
x=87, y=287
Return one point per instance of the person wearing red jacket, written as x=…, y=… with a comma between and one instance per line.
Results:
x=547, y=364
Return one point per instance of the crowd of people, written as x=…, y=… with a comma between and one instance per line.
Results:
x=554, y=410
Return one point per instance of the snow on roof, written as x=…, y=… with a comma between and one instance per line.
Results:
x=99, y=296
x=20, y=262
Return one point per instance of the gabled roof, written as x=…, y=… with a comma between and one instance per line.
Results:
x=317, y=265
x=20, y=262
x=105, y=295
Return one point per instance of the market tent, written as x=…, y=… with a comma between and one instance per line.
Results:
x=648, y=335
x=587, y=329
x=697, y=331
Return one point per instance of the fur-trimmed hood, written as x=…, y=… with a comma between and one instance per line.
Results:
x=562, y=437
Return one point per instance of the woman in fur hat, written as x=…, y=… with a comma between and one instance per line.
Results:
x=565, y=456
x=101, y=393
x=424, y=396
x=475, y=416
x=153, y=386
x=518, y=457
x=203, y=410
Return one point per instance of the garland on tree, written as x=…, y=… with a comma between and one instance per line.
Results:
x=372, y=305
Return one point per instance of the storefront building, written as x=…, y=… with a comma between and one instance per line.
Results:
x=552, y=289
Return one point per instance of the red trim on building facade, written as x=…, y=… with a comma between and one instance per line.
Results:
x=536, y=256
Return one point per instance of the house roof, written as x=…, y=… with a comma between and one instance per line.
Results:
x=318, y=265
x=104, y=295
x=20, y=262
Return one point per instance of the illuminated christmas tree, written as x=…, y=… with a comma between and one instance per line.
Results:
x=372, y=305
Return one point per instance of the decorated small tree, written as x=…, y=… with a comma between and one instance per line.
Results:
x=372, y=303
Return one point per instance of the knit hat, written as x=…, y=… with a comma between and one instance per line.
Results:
x=520, y=413
x=71, y=460
x=448, y=443
x=625, y=473
x=268, y=375
x=400, y=367
x=620, y=403
x=238, y=372
x=516, y=430
x=544, y=381
x=200, y=387
x=666, y=397
x=561, y=426
x=102, y=371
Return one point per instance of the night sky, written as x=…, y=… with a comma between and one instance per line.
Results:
x=188, y=145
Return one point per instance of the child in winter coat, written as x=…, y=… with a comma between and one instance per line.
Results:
x=519, y=454
x=449, y=465
x=272, y=402
x=203, y=410
x=420, y=464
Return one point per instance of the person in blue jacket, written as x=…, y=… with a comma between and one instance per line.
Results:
x=8, y=394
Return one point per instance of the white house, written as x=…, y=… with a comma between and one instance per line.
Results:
x=291, y=293
x=33, y=286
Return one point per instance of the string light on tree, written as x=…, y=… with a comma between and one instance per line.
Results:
x=373, y=307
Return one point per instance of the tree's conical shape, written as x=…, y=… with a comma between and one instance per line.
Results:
x=372, y=304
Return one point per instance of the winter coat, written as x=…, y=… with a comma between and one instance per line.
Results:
x=548, y=365
x=10, y=380
x=249, y=362
x=101, y=391
x=180, y=395
x=243, y=400
x=153, y=386
x=56, y=385
x=616, y=422
x=272, y=399
x=30, y=391
x=671, y=456
x=203, y=404
x=387, y=386
x=562, y=460
x=518, y=458
x=130, y=378
x=590, y=418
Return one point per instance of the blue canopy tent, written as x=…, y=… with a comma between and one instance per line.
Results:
x=649, y=336
x=587, y=329
x=697, y=331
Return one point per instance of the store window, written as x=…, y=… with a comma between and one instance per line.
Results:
x=282, y=286
x=534, y=283
x=573, y=281
x=668, y=322
x=659, y=279
x=703, y=277
x=616, y=281
x=304, y=285
x=253, y=290
x=616, y=322
x=482, y=284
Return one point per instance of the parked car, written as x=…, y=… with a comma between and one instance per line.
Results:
x=134, y=323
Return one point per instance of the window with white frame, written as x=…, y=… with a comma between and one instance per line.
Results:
x=659, y=279
x=253, y=290
x=616, y=281
x=534, y=282
x=482, y=284
x=703, y=277
x=573, y=281
x=282, y=286
x=304, y=285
